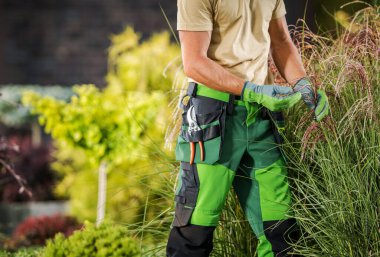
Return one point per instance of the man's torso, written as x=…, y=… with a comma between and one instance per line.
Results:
x=240, y=40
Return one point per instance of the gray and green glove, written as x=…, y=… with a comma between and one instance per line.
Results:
x=319, y=102
x=275, y=98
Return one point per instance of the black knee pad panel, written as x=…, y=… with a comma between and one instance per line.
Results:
x=190, y=241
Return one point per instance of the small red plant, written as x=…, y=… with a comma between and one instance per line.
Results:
x=36, y=230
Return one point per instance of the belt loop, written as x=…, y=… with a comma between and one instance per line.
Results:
x=192, y=89
x=230, y=106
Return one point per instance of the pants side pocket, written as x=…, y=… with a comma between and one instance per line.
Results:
x=186, y=197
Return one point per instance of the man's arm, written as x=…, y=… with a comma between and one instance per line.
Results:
x=284, y=52
x=194, y=46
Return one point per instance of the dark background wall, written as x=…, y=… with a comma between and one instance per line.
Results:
x=65, y=42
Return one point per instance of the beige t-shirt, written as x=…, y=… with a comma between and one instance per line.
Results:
x=240, y=41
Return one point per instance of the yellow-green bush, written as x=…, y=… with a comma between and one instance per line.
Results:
x=106, y=240
x=142, y=67
x=122, y=125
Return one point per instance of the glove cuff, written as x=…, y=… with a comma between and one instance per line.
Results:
x=243, y=90
x=303, y=80
x=302, y=83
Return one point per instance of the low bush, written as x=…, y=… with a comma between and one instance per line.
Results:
x=23, y=252
x=106, y=240
x=36, y=230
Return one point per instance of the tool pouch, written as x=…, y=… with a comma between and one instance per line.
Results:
x=210, y=115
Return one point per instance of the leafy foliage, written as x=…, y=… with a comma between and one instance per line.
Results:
x=36, y=230
x=142, y=67
x=100, y=123
x=13, y=114
x=106, y=240
x=121, y=125
x=22, y=252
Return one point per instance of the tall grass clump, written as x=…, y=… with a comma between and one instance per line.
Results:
x=335, y=164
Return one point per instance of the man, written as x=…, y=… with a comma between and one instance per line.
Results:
x=229, y=134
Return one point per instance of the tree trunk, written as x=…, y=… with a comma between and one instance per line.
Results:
x=36, y=134
x=102, y=193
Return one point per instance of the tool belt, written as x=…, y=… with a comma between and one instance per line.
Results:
x=211, y=108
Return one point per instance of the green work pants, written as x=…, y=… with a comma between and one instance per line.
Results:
x=244, y=155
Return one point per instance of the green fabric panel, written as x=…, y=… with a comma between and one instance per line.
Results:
x=235, y=139
x=262, y=146
x=215, y=182
x=264, y=249
x=247, y=190
x=252, y=112
x=275, y=198
x=239, y=102
x=212, y=93
x=211, y=147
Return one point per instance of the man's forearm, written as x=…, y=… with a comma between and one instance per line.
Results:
x=211, y=74
x=288, y=61
x=197, y=65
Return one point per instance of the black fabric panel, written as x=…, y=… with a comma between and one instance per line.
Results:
x=190, y=241
x=202, y=135
x=275, y=117
x=187, y=195
x=182, y=215
x=281, y=234
x=205, y=105
x=204, y=119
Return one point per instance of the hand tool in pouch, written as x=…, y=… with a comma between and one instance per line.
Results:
x=193, y=128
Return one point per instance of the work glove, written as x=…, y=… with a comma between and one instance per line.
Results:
x=275, y=98
x=317, y=102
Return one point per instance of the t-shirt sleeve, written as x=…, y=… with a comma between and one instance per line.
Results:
x=194, y=15
x=279, y=11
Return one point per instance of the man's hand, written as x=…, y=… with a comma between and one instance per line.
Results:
x=317, y=102
x=275, y=98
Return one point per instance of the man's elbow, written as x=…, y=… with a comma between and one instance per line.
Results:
x=191, y=67
x=188, y=68
x=281, y=42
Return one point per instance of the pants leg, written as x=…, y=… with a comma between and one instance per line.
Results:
x=199, y=202
x=195, y=220
x=262, y=188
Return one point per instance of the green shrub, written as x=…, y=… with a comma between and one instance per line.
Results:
x=143, y=67
x=23, y=252
x=12, y=114
x=123, y=125
x=106, y=240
